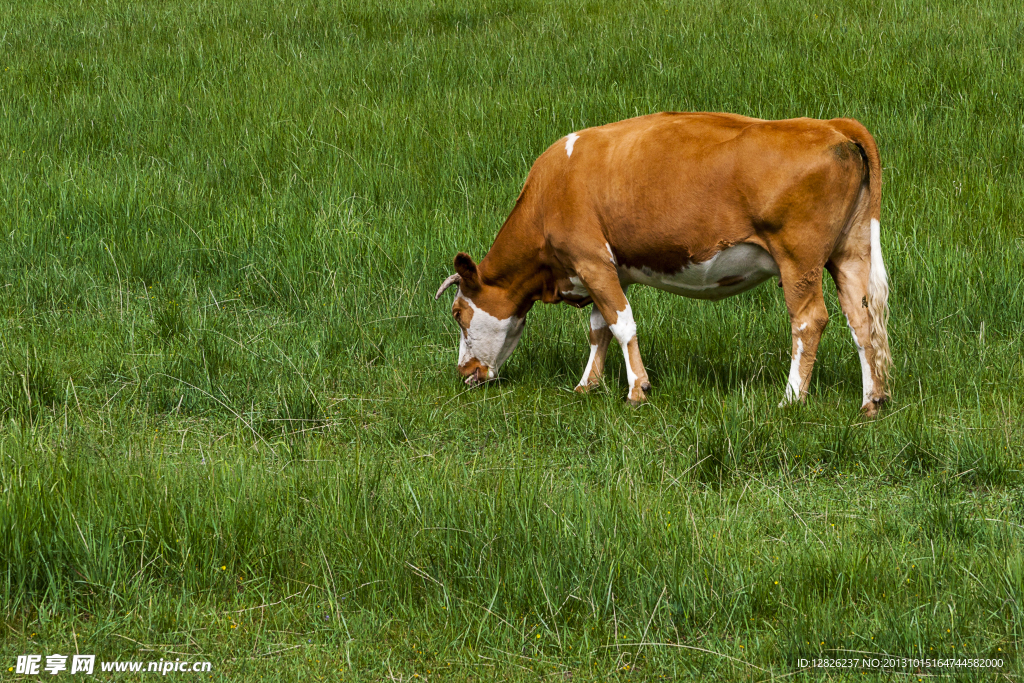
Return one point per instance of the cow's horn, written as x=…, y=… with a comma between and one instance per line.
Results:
x=452, y=279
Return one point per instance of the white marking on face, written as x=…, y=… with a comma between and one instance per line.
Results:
x=464, y=355
x=867, y=382
x=590, y=366
x=700, y=280
x=802, y=327
x=489, y=339
x=610, y=254
x=793, y=385
x=570, y=140
x=624, y=330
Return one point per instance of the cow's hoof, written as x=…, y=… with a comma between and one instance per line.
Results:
x=638, y=396
x=871, y=408
x=584, y=388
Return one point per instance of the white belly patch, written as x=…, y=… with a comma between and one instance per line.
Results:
x=730, y=271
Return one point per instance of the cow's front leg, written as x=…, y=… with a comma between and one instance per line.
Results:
x=600, y=336
x=624, y=331
x=613, y=307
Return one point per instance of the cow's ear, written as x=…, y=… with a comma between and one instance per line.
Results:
x=465, y=267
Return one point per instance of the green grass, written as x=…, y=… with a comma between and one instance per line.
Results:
x=231, y=424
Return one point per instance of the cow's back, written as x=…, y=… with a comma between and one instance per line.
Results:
x=668, y=189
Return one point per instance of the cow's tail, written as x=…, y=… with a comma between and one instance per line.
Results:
x=878, y=283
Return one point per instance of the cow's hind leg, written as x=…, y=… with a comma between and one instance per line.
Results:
x=807, y=319
x=851, y=273
x=600, y=336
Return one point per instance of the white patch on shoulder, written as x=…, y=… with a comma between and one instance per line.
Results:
x=793, y=385
x=728, y=272
x=610, y=254
x=570, y=140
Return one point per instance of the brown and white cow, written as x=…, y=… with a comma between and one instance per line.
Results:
x=698, y=204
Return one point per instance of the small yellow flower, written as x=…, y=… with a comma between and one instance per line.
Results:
x=223, y=567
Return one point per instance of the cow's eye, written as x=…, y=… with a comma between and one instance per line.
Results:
x=457, y=315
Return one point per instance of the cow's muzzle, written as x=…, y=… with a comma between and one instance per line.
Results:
x=475, y=372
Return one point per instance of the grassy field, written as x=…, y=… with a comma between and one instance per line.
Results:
x=231, y=424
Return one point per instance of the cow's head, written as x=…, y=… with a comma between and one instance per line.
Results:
x=490, y=322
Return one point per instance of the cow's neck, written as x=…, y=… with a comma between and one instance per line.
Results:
x=516, y=263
